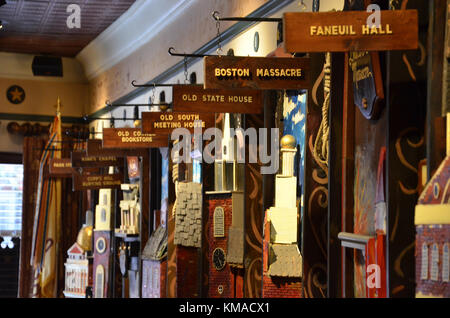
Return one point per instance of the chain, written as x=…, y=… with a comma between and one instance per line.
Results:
x=393, y=4
x=153, y=94
x=219, y=39
x=302, y=5
x=185, y=71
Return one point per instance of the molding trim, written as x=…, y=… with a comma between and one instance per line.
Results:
x=265, y=10
x=41, y=118
x=137, y=18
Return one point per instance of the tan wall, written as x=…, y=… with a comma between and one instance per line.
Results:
x=40, y=97
x=190, y=31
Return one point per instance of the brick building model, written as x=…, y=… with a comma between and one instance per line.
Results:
x=432, y=220
x=154, y=265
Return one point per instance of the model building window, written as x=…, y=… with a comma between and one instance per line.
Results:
x=434, y=272
x=219, y=222
x=196, y=171
x=99, y=282
x=445, y=263
x=424, y=267
x=103, y=215
x=11, y=183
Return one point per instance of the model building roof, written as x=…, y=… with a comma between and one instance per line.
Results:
x=188, y=215
x=156, y=247
x=436, y=190
x=285, y=260
x=75, y=249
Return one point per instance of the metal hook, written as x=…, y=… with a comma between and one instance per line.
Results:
x=302, y=5
x=216, y=17
x=150, y=84
x=185, y=55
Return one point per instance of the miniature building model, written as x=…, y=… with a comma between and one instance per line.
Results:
x=77, y=272
x=282, y=261
x=103, y=211
x=225, y=219
x=102, y=244
x=77, y=266
x=154, y=265
x=129, y=210
x=432, y=219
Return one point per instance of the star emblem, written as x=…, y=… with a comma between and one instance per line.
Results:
x=16, y=94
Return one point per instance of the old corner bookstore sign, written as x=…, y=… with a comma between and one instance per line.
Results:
x=188, y=98
x=229, y=72
x=349, y=31
x=132, y=138
x=166, y=122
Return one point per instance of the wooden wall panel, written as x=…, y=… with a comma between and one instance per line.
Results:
x=314, y=225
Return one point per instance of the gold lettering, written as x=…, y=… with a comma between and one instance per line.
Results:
x=365, y=29
x=335, y=30
x=312, y=30
x=319, y=30
x=388, y=29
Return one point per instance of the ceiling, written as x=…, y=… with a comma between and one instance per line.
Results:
x=39, y=26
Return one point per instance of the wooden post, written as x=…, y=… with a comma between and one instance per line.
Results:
x=335, y=174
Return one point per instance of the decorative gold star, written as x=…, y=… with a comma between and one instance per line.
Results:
x=16, y=95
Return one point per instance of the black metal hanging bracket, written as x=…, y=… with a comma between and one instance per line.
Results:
x=109, y=104
x=133, y=83
x=216, y=17
x=171, y=49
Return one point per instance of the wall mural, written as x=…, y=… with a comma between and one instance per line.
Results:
x=294, y=119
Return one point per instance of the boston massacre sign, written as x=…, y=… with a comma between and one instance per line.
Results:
x=230, y=72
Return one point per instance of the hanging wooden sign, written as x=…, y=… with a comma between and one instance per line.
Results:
x=367, y=83
x=60, y=167
x=82, y=181
x=230, y=72
x=80, y=159
x=165, y=123
x=132, y=138
x=346, y=31
x=94, y=148
x=194, y=98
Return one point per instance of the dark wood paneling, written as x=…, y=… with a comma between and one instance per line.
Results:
x=435, y=53
x=348, y=169
x=254, y=208
x=335, y=175
x=314, y=225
